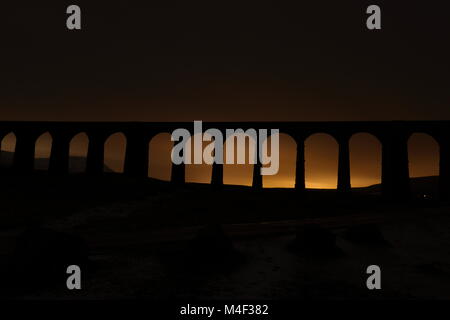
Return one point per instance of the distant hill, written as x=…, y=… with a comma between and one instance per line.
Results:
x=76, y=164
x=427, y=186
x=6, y=158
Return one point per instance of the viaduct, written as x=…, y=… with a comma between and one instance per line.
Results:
x=393, y=136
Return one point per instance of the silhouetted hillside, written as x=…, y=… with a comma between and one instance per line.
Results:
x=76, y=164
x=421, y=186
x=6, y=158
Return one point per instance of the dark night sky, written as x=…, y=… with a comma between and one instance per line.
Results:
x=229, y=61
x=225, y=60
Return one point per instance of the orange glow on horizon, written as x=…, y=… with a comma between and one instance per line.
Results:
x=321, y=160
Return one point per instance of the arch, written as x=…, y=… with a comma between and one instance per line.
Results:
x=8, y=148
x=198, y=173
x=321, y=161
x=42, y=151
x=365, y=160
x=160, y=162
x=78, y=150
x=114, y=153
x=423, y=156
x=285, y=178
x=238, y=174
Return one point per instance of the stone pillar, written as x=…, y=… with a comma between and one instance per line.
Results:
x=300, y=165
x=444, y=170
x=257, y=177
x=2, y=135
x=217, y=175
x=217, y=169
x=395, y=171
x=178, y=173
x=96, y=155
x=24, y=153
x=136, y=156
x=59, y=156
x=343, y=184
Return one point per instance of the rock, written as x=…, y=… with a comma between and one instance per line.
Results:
x=431, y=268
x=313, y=240
x=41, y=258
x=367, y=234
x=213, y=241
x=212, y=246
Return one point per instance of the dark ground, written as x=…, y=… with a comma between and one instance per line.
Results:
x=140, y=238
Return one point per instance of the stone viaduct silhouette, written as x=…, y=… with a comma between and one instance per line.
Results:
x=393, y=136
